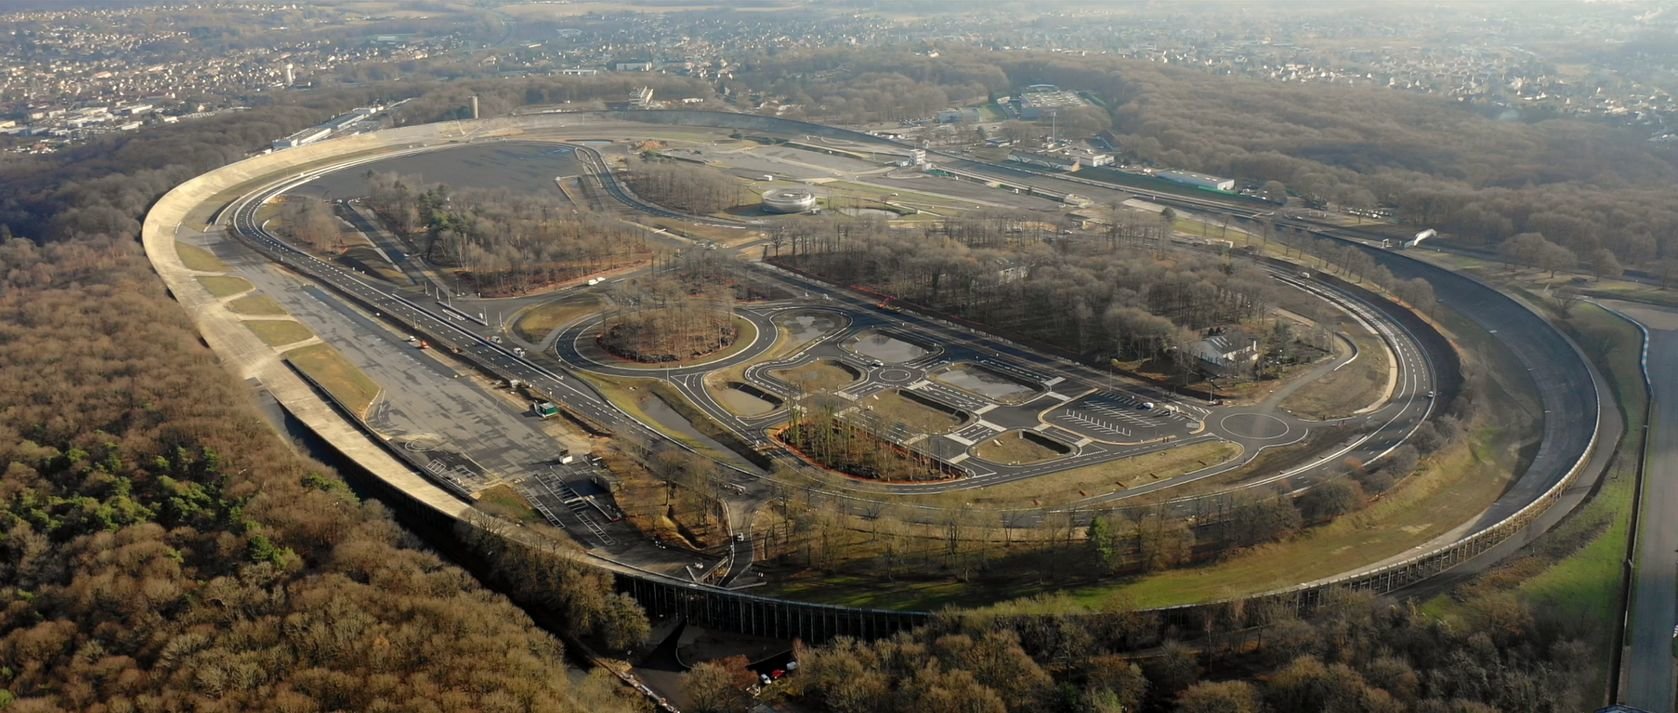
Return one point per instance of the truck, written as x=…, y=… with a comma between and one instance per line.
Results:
x=544, y=410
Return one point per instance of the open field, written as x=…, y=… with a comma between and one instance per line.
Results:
x=328, y=369
x=1349, y=388
x=197, y=258
x=257, y=305
x=223, y=286
x=1091, y=480
x=535, y=324
x=278, y=332
x=1454, y=487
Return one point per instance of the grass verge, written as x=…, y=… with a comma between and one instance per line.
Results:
x=368, y=260
x=631, y=396
x=535, y=324
x=1091, y=480
x=1455, y=486
x=257, y=306
x=503, y=501
x=223, y=286
x=278, y=332
x=329, y=370
x=197, y=258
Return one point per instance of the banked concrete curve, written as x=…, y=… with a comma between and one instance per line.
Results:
x=250, y=358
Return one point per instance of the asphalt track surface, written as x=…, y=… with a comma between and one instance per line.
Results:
x=455, y=330
x=1649, y=683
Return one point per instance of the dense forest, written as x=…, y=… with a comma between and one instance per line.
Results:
x=1481, y=179
x=670, y=315
x=857, y=446
x=443, y=101
x=162, y=548
x=847, y=86
x=1128, y=297
x=501, y=242
x=1353, y=654
x=686, y=187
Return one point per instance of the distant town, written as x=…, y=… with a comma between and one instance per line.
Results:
x=66, y=76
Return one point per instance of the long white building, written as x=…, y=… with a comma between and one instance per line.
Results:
x=1198, y=180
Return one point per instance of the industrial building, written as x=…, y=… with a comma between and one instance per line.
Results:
x=342, y=121
x=1198, y=180
x=303, y=138
x=1040, y=100
x=788, y=200
x=1089, y=157
x=1056, y=161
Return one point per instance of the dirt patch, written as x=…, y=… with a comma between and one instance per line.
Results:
x=503, y=501
x=747, y=400
x=894, y=408
x=822, y=375
x=1342, y=391
x=1016, y=447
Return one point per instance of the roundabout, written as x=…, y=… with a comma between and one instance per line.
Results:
x=578, y=344
x=1255, y=426
x=1018, y=415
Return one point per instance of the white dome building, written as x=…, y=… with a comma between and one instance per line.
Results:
x=789, y=200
